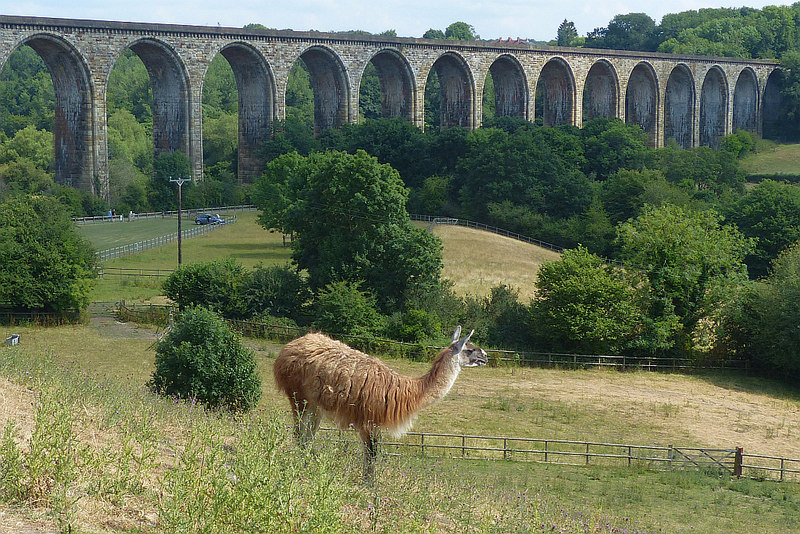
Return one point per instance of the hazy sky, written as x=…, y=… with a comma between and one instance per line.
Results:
x=533, y=19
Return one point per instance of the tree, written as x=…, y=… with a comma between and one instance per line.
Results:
x=585, y=305
x=215, y=285
x=764, y=326
x=692, y=261
x=610, y=145
x=567, y=33
x=634, y=31
x=433, y=34
x=342, y=308
x=47, y=265
x=347, y=213
x=202, y=358
x=770, y=213
x=163, y=194
x=461, y=31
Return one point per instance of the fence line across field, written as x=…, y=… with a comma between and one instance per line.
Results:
x=133, y=248
x=186, y=213
x=582, y=453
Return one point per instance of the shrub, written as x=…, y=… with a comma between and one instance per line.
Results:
x=414, y=325
x=342, y=308
x=202, y=358
x=277, y=290
x=215, y=285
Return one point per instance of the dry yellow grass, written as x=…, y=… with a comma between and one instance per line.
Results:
x=622, y=407
x=476, y=261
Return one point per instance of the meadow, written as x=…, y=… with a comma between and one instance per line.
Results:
x=87, y=448
x=776, y=159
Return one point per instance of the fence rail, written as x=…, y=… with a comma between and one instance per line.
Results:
x=106, y=272
x=187, y=213
x=480, y=226
x=133, y=248
x=583, y=453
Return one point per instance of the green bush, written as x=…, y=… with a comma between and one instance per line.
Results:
x=202, y=358
x=342, y=308
x=215, y=285
x=414, y=325
x=277, y=290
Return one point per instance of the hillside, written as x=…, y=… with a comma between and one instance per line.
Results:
x=475, y=260
x=780, y=159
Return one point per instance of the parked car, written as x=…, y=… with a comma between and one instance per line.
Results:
x=207, y=218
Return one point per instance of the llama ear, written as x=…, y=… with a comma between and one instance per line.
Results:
x=456, y=334
x=460, y=345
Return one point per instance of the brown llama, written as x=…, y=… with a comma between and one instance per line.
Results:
x=322, y=376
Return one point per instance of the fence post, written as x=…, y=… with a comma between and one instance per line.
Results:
x=545, y=451
x=670, y=455
x=783, y=460
x=505, y=448
x=630, y=456
x=463, y=446
x=737, y=464
x=587, y=454
x=422, y=442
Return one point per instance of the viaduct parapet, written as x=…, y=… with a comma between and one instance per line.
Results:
x=693, y=100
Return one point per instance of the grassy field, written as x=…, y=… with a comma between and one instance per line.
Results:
x=475, y=260
x=98, y=372
x=109, y=235
x=780, y=159
x=102, y=454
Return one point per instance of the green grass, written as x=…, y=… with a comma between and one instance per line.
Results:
x=109, y=235
x=244, y=240
x=778, y=159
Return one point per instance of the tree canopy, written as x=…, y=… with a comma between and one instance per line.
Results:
x=47, y=265
x=349, y=223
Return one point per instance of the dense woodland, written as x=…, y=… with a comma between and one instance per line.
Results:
x=688, y=237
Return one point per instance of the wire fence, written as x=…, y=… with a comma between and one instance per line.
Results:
x=488, y=228
x=133, y=248
x=586, y=453
x=158, y=314
x=185, y=213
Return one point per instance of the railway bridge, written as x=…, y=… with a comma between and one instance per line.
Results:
x=693, y=100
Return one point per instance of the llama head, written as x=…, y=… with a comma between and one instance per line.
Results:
x=467, y=354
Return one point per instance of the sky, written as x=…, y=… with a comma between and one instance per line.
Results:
x=498, y=19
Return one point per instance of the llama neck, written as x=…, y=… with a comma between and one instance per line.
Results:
x=438, y=381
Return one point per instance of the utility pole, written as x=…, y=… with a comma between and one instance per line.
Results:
x=180, y=182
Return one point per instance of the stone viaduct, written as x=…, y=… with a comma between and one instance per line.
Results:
x=693, y=100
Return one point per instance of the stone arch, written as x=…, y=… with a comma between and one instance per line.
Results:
x=510, y=87
x=679, y=102
x=771, y=105
x=170, y=85
x=331, y=87
x=255, y=85
x=555, y=92
x=457, y=90
x=745, y=101
x=641, y=100
x=601, y=92
x=73, y=126
x=397, y=84
x=713, y=108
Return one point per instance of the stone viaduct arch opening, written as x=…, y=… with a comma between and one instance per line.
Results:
x=387, y=87
x=74, y=159
x=330, y=88
x=641, y=100
x=679, y=101
x=555, y=93
x=254, y=105
x=771, y=116
x=506, y=89
x=455, y=100
x=170, y=87
x=713, y=108
x=600, y=92
x=745, y=102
